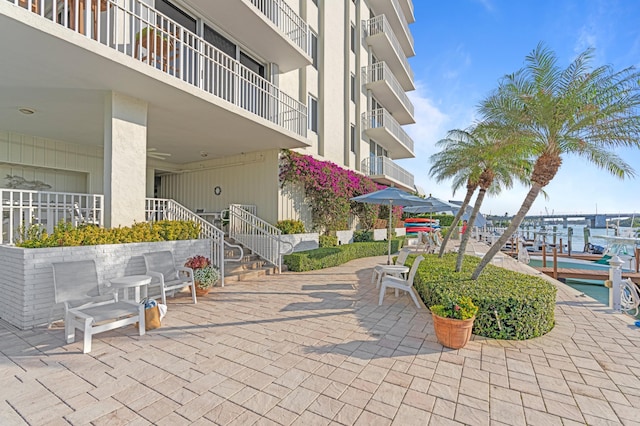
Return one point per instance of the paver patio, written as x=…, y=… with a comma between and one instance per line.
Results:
x=315, y=349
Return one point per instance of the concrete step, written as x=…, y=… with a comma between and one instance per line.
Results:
x=247, y=265
x=249, y=274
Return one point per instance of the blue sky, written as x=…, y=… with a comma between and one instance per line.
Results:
x=464, y=47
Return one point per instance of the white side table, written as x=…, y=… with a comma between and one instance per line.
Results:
x=129, y=282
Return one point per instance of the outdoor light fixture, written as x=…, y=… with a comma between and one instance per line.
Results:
x=204, y=154
x=27, y=111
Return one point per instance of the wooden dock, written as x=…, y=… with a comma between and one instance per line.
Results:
x=586, y=274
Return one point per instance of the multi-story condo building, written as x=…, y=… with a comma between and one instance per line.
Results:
x=193, y=100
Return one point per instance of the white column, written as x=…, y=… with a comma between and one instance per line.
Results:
x=125, y=159
x=615, y=276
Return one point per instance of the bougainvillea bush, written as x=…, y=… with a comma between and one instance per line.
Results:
x=329, y=188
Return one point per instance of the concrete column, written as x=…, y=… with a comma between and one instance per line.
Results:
x=125, y=159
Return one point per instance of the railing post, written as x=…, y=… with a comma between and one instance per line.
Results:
x=615, y=276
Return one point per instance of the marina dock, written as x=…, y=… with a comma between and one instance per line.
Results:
x=586, y=274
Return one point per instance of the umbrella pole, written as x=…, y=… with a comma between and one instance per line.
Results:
x=389, y=236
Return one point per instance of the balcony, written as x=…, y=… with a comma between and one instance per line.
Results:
x=407, y=8
x=197, y=96
x=379, y=125
x=269, y=27
x=398, y=22
x=383, y=170
x=385, y=87
x=379, y=35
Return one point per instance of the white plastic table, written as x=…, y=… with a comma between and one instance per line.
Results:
x=134, y=282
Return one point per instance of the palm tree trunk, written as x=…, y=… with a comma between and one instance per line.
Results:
x=456, y=219
x=467, y=234
x=515, y=223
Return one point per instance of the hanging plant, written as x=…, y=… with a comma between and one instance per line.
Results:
x=329, y=188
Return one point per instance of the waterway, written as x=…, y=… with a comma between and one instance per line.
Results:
x=592, y=288
x=577, y=239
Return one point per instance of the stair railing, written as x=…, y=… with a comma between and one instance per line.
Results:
x=166, y=209
x=259, y=236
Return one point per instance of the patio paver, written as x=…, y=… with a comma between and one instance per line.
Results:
x=315, y=348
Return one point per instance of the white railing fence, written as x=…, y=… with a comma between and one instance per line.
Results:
x=372, y=166
x=380, y=118
x=259, y=236
x=141, y=32
x=380, y=71
x=285, y=18
x=380, y=25
x=166, y=209
x=23, y=208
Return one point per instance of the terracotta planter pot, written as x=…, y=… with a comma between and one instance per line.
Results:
x=452, y=333
x=202, y=291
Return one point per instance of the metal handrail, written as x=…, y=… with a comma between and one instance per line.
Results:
x=381, y=165
x=167, y=209
x=141, y=32
x=380, y=25
x=287, y=20
x=259, y=236
x=23, y=208
x=380, y=117
x=380, y=71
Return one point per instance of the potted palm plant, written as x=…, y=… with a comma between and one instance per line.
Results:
x=453, y=321
x=205, y=274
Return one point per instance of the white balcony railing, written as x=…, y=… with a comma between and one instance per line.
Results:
x=384, y=166
x=403, y=21
x=380, y=118
x=141, y=32
x=289, y=22
x=380, y=25
x=381, y=72
x=21, y=209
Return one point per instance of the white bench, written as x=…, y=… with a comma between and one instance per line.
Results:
x=76, y=285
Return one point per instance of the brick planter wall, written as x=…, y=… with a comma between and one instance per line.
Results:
x=26, y=277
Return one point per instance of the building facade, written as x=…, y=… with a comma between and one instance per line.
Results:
x=193, y=100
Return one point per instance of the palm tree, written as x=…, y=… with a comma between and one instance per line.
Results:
x=500, y=163
x=455, y=160
x=554, y=112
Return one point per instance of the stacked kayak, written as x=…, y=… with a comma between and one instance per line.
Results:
x=413, y=225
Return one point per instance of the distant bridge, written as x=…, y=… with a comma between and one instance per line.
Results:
x=594, y=220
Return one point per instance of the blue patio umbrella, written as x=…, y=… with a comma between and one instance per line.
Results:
x=391, y=197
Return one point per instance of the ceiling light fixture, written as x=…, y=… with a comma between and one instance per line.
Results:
x=204, y=154
x=27, y=111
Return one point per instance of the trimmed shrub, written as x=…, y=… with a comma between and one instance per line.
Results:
x=362, y=236
x=511, y=305
x=65, y=235
x=327, y=241
x=333, y=256
x=290, y=226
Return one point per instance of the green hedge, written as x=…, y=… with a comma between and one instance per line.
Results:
x=333, y=256
x=512, y=305
x=290, y=226
x=65, y=235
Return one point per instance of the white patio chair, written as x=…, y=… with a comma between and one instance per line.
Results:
x=161, y=267
x=378, y=270
x=400, y=284
x=76, y=285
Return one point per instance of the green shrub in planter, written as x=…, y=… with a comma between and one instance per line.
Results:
x=65, y=235
x=327, y=241
x=290, y=226
x=511, y=305
x=327, y=257
x=362, y=236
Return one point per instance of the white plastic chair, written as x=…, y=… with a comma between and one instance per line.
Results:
x=378, y=270
x=76, y=285
x=400, y=284
x=161, y=267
